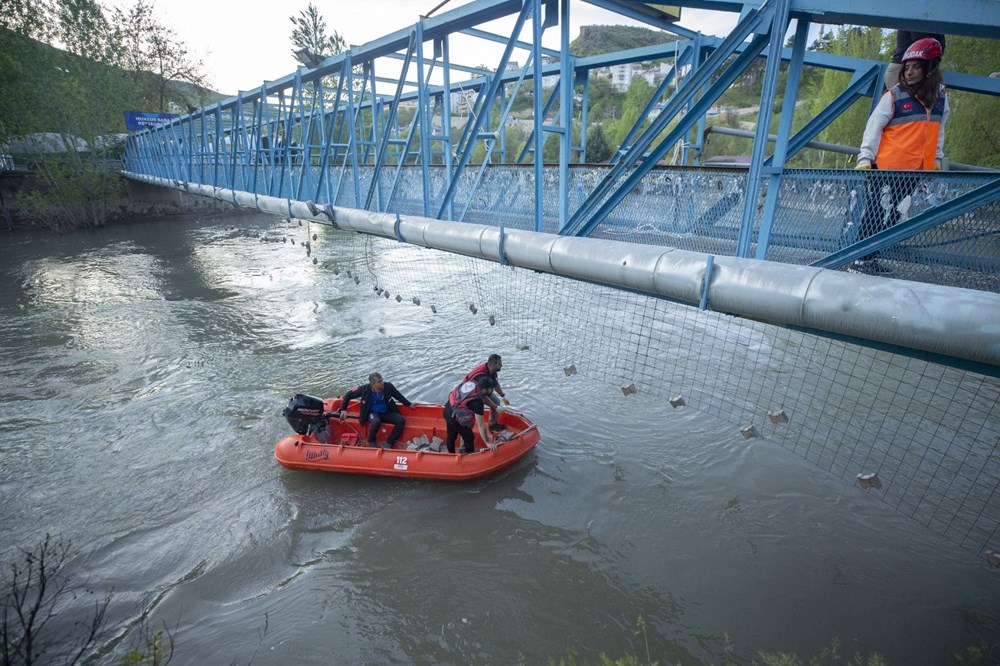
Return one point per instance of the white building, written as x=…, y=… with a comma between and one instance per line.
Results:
x=462, y=100
x=621, y=77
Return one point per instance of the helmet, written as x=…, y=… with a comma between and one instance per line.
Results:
x=927, y=48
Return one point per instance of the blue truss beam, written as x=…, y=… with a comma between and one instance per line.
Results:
x=473, y=130
x=500, y=39
x=781, y=144
x=973, y=18
x=592, y=211
x=393, y=111
x=779, y=24
x=627, y=9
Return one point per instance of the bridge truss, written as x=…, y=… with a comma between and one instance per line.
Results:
x=373, y=128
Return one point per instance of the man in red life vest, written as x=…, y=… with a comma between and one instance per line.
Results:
x=490, y=369
x=465, y=407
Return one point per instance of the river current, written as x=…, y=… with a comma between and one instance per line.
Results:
x=143, y=369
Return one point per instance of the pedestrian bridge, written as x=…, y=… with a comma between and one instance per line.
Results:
x=716, y=288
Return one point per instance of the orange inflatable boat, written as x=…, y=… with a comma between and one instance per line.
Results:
x=325, y=443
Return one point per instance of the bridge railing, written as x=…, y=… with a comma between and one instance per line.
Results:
x=819, y=212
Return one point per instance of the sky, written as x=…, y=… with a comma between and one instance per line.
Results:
x=243, y=44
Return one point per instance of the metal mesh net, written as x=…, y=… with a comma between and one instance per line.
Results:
x=923, y=438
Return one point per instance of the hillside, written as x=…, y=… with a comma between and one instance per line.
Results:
x=600, y=39
x=43, y=86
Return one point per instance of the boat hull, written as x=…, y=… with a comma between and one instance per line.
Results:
x=346, y=452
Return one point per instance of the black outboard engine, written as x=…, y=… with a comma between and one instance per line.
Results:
x=304, y=413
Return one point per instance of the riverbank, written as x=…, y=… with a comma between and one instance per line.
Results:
x=137, y=200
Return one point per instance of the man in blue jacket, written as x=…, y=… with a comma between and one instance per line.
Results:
x=378, y=405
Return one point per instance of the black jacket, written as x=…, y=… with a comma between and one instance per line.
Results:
x=364, y=392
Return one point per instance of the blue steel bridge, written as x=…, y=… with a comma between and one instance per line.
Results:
x=398, y=139
x=363, y=130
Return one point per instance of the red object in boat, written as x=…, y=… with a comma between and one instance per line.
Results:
x=347, y=452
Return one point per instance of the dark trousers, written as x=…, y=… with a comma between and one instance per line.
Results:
x=884, y=190
x=454, y=430
x=376, y=420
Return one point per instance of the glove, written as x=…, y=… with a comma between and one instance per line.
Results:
x=864, y=166
x=506, y=402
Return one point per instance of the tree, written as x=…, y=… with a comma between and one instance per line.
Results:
x=309, y=32
x=860, y=43
x=635, y=100
x=598, y=150
x=972, y=135
x=33, y=593
x=66, y=103
x=84, y=30
x=149, y=47
x=68, y=73
x=37, y=589
x=27, y=17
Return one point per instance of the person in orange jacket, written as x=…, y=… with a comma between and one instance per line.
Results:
x=905, y=132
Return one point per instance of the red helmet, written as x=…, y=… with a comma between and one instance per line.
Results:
x=927, y=48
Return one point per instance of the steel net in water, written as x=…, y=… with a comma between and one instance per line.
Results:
x=919, y=436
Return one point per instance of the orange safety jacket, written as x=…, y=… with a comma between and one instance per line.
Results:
x=909, y=141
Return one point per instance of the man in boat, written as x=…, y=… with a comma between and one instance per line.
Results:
x=490, y=369
x=465, y=407
x=378, y=406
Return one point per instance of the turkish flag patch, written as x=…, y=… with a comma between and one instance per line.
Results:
x=907, y=106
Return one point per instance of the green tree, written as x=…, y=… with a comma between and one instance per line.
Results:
x=851, y=41
x=27, y=17
x=972, y=135
x=309, y=31
x=70, y=103
x=604, y=102
x=634, y=102
x=598, y=150
x=62, y=109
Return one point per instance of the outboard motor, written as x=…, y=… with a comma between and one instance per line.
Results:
x=304, y=413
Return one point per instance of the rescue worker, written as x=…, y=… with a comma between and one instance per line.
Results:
x=378, y=406
x=904, y=133
x=490, y=369
x=903, y=40
x=465, y=407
